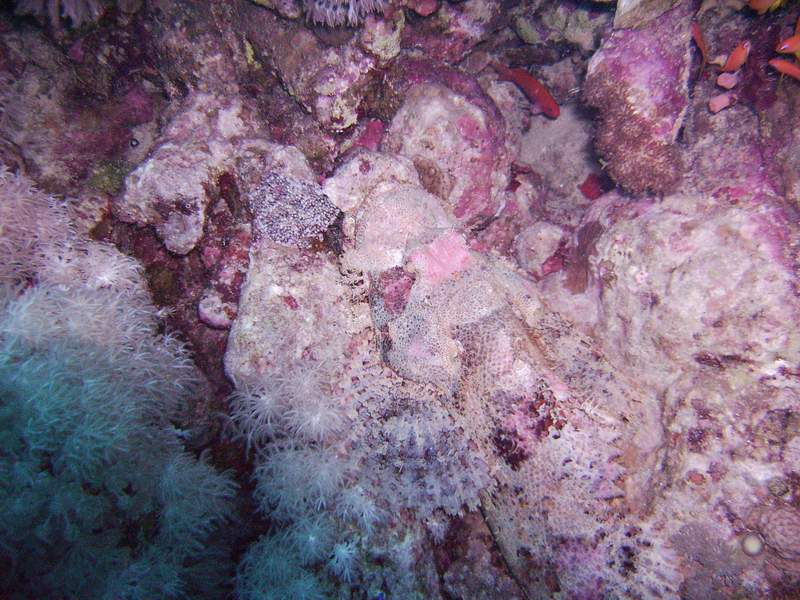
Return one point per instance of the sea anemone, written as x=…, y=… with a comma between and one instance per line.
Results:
x=335, y=13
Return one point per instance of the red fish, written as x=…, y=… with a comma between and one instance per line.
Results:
x=534, y=90
x=785, y=67
x=790, y=45
x=737, y=58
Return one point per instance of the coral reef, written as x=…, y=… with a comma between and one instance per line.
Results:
x=455, y=29
x=98, y=140
x=451, y=346
x=330, y=83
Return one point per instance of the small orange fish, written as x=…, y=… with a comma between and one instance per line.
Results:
x=534, y=90
x=790, y=45
x=737, y=58
x=787, y=68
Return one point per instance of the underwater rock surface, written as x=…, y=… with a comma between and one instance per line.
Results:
x=450, y=346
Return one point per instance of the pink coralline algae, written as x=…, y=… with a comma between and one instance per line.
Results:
x=169, y=190
x=372, y=135
x=205, y=141
x=95, y=139
x=780, y=528
x=77, y=11
x=740, y=283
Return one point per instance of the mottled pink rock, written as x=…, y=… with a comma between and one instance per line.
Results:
x=75, y=125
x=423, y=8
x=776, y=105
x=215, y=313
x=288, y=9
x=209, y=137
x=394, y=286
x=555, y=178
x=456, y=149
x=170, y=189
x=366, y=175
x=537, y=249
x=687, y=281
x=727, y=154
x=76, y=53
x=292, y=304
x=225, y=254
x=721, y=102
x=471, y=563
x=372, y=135
x=501, y=232
x=727, y=81
x=197, y=57
x=381, y=36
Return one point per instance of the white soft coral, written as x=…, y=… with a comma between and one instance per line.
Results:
x=343, y=561
x=299, y=400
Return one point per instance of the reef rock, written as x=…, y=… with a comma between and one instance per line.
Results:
x=457, y=146
x=635, y=425
x=691, y=296
x=455, y=29
x=526, y=388
x=328, y=81
x=170, y=189
x=207, y=139
x=636, y=13
x=64, y=144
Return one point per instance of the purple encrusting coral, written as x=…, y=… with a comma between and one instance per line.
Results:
x=451, y=347
x=288, y=211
